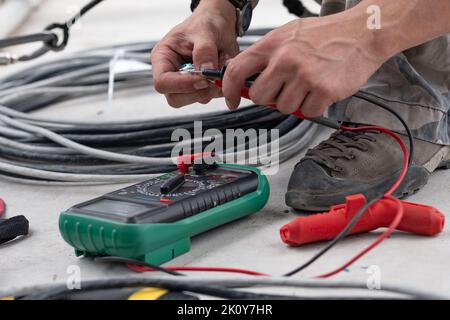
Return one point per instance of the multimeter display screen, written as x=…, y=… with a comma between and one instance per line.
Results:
x=120, y=208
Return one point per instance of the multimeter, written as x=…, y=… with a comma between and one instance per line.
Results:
x=154, y=220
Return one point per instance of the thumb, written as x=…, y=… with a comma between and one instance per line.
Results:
x=205, y=54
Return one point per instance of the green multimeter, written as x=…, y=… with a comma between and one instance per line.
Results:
x=154, y=220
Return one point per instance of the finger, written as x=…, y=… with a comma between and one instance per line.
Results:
x=267, y=87
x=167, y=79
x=291, y=97
x=205, y=54
x=178, y=100
x=239, y=69
x=164, y=59
x=174, y=82
x=228, y=54
x=315, y=104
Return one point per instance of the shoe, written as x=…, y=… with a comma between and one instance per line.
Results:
x=359, y=162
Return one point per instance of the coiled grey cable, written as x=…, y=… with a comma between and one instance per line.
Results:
x=43, y=150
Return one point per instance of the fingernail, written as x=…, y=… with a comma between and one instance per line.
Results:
x=201, y=85
x=208, y=65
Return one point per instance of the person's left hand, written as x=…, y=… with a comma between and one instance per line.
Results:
x=307, y=63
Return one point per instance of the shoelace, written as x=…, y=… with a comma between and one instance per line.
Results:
x=339, y=145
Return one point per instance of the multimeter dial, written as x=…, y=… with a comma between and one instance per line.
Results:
x=189, y=187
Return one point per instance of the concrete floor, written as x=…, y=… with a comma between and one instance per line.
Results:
x=251, y=243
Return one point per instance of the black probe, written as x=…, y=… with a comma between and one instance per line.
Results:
x=219, y=74
x=12, y=228
x=172, y=184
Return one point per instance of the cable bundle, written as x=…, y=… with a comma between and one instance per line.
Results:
x=229, y=288
x=38, y=150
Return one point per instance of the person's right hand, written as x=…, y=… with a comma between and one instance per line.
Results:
x=208, y=39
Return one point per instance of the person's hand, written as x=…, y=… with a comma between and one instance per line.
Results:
x=307, y=63
x=207, y=38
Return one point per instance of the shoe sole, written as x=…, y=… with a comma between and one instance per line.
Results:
x=416, y=179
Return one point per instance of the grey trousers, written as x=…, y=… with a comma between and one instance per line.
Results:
x=416, y=83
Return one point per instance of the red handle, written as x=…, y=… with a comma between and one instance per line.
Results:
x=245, y=94
x=418, y=219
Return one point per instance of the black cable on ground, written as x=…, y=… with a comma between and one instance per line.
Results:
x=209, y=290
x=222, y=288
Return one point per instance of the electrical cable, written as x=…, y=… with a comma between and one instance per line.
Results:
x=137, y=263
x=43, y=150
x=200, y=269
x=395, y=222
x=388, y=195
x=228, y=285
x=60, y=292
x=140, y=266
x=299, y=9
x=333, y=242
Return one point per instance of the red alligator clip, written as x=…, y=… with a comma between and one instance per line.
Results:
x=418, y=219
x=186, y=161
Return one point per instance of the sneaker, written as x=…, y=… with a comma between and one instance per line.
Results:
x=359, y=162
